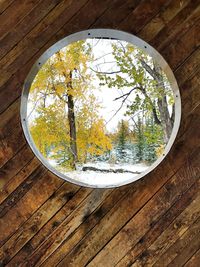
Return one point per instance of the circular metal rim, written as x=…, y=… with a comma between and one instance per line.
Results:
x=110, y=34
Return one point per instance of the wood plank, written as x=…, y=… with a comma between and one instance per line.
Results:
x=170, y=234
x=47, y=230
x=179, y=25
x=142, y=15
x=22, y=73
x=7, y=116
x=16, y=11
x=21, y=191
x=15, y=164
x=8, y=95
x=114, y=220
x=95, y=216
x=60, y=197
x=188, y=140
x=25, y=25
x=68, y=225
x=75, y=25
x=11, y=146
x=192, y=38
x=194, y=261
x=85, y=228
x=46, y=28
x=17, y=179
x=190, y=94
x=140, y=224
x=157, y=228
x=4, y=4
x=189, y=69
x=28, y=204
x=59, y=35
x=165, y=15
x=184, y=247
x=116, y=13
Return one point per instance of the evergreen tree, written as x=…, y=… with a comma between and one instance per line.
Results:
x=122, y=141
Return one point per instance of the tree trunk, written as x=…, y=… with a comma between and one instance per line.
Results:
x=72, y=127
x=72, y=124
x=166, y=121
x=71, y=116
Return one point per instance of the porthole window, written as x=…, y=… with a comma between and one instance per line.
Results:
x=100, y=108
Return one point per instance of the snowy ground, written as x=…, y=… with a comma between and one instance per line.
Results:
x=102, y=178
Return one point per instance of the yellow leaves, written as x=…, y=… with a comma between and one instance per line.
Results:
x=94, y=140
x=64, y=74
x=60, y=89
x=160, y=150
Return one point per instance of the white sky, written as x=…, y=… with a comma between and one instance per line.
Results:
x=107, y=95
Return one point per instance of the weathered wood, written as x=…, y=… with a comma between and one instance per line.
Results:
x=15, y=164
x=21, y=191
x=56, y=19
x=188, y=140
x=12, y=184
x=16, y=10
x=189, y=69
x=142, y=15
x=169, y=236
x=115, y=219
x=11, y=146
x=141, y=222
x=177, y=26
x=67, y=227
x=158, y=227
x=161, y=20
x=116, y=13
x=192, y=38
x=85, y=228
x=37, y=221
x=4, y=4
x=48, y=229
x=92, y=221
x=183, y=249
x=194, y=261
x=30, y=202
x=22, y=27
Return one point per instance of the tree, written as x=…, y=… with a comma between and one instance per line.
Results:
x=136, y=70
x=65, y=109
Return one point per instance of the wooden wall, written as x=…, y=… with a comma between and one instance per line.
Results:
x=45, y=221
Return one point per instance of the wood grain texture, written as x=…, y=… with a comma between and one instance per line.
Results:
x=45, y=221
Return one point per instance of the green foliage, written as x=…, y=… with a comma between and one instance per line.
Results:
x=148, y=86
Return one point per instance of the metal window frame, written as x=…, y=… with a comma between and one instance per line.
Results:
x=109, y=34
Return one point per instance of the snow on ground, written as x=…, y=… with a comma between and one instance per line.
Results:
x=129, y=167
x=103, y=178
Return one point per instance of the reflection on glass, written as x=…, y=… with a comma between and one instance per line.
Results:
x=101, y=111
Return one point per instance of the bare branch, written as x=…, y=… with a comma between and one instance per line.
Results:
x=100, y=72
x=127, y=94
x=149, y=69
x=102, y=56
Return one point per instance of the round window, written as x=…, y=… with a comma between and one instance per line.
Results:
x=100, y=108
